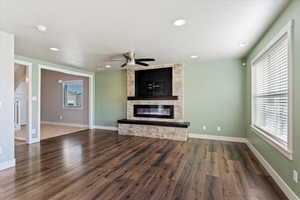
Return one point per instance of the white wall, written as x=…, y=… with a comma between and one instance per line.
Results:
x=6, y=100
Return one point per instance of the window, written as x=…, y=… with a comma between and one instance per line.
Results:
x=271, y=91
x=73, y=94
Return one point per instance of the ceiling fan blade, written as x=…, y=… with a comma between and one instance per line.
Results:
x=141, y=63
x=123, y=65
x=126, y=56
x=117, y=60
x=145, y=59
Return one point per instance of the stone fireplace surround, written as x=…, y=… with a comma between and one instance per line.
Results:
x=175, y=128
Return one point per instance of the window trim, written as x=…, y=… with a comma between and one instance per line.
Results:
x=63, y=94
x=286, y=151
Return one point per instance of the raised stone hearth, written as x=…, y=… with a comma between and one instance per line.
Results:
x=162, y=132
x=175, y=101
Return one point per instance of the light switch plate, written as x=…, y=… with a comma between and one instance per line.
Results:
x=0, y=104
x=1, y=151
x=295, y=176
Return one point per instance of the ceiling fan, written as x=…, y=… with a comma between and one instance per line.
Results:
x=131, y=60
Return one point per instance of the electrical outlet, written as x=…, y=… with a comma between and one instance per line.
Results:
x=204, y=127
x=219, y=128
x=295, y=176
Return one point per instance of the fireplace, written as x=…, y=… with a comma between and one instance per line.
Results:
x=154, y=111
x=155, y=103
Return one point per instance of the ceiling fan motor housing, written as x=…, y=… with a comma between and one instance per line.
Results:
x=131, y=60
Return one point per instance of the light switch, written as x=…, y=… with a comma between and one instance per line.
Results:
x=295, y=176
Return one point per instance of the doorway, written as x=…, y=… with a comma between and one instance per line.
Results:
x=66, y=102
x=22, y=101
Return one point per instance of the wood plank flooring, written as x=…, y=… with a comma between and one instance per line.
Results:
x=102, y=165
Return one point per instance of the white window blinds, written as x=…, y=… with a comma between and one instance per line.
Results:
x=270, y=91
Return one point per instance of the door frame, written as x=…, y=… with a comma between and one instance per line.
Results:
x=28, y=66
x=71, y=72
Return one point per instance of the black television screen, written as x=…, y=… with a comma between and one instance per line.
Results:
x=153, y=82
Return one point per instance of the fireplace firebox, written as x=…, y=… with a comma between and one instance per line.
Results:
x=154, y=111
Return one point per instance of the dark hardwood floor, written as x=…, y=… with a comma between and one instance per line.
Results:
x=102, y=165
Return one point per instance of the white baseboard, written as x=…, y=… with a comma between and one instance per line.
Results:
x=215, y=137
x=110, y=128
x=65, y=124
x=7, y=164
x=279, y=181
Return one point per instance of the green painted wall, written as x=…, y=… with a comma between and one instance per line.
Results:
x=214, y=96
x=35, y=82
x=280, y=163
x=111, y=96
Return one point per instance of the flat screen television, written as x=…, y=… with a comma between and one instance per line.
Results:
x=153, y=82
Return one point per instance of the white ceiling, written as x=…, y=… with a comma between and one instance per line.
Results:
x=89, y=32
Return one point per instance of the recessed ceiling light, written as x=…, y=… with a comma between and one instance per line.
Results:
x=194, y=56
x=243, y=44
x=54, y=49
x=179, y=22
x=107, y=66
x=41, y=28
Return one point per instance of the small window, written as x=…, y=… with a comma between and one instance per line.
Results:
x=271, y=91
x=73, y=94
